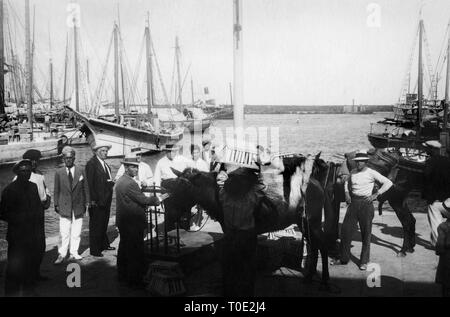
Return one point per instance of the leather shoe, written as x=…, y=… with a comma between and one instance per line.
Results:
x=110, y=248
x=97, y=255
x=59, y=260
x=363, y=267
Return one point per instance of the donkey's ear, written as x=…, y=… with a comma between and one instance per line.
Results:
x=317, y=156
x=176, y=172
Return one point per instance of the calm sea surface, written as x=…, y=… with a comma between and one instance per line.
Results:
x=331, y=134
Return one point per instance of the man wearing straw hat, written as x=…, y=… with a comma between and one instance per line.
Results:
x=436, y=185
x=144, y=177
x=131, y=221
x=359, y=196
x=100, y=184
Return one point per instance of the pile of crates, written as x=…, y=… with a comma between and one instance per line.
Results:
x=165, y=279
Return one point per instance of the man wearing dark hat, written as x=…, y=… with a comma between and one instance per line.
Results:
x=100, y=184
x=436, y=185
x=359, y=196
x=131, y=221
x=144, y=177
x=36, y=177
x=21, y=208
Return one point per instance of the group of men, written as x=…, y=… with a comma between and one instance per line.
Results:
x=79, y=190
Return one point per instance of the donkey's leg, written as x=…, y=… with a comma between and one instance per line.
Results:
x=408, y=223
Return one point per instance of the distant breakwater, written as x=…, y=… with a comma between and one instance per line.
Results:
x=295, y=109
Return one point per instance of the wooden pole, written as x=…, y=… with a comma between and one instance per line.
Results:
x=177, y=54
x=238, y=74
x=116, y=73
x=2, y=62
x=75, y=40
x=420, y=82
x=66, y=58
x=29, y=80
x=149, y=66
x=447, y=88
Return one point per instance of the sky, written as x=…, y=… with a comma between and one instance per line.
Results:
x=296, y=52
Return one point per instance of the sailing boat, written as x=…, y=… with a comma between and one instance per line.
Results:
x=415, y=120
x=22, y=137
x=123, y=131
x=191, y=118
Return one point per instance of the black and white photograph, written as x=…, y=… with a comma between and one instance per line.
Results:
x=238, y=150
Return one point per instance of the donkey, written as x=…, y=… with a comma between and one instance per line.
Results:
x=302, y=203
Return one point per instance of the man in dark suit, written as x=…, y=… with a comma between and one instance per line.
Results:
x=100, y=184
x=21, y=208
x=131, y=221
x=71, y=201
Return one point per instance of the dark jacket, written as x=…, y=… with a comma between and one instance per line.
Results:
x=21, y=208
x=100, y=189
x=437, y=179
x=71, y=199
x=131, y=202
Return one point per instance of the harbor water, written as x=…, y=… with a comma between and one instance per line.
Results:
x=330, y=134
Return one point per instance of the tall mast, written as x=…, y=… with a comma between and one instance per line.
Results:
x=51, y=69
x=2, y=62
x=116, y=72
x=29, y=84
x=238, y=71
x=177, y=56
x=66, y=58
x=75, y=41
x=192, y=91
x=87, y=71
x=447, y=83
x=51, y=83
x=231, y=94
x=420, y=80
x=148, y=55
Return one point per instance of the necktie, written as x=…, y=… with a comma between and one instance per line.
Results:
x=107, y=170
x=70, y=178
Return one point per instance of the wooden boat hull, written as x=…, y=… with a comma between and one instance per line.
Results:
x=12, y=152
x=381, y=142
x=123, y=138
x=194, y=126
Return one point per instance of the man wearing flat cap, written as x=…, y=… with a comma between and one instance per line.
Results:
x=436, y=185
x=21, y=208
x=359, y=195
x=131, y=221
x=100, y=184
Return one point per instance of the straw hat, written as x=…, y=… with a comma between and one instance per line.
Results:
x=101, y=144
x=130, y=161
x=171, y=147
x=361, y=156
x=432, y=144
x=32, y=154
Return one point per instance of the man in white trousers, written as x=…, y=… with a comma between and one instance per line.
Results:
x=71, y=202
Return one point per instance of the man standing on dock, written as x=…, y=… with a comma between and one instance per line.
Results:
x=71, y=195
x=436, y=185
x=131, y=221
x=359, y=196
x=36, y=177
x=144, y=178
x=100, y=184
x=21, y=208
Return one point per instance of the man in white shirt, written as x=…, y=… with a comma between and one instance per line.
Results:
x=359, y=196
x=197, y=162
x=206, y=153
x=172, y=159
x=144, y=178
